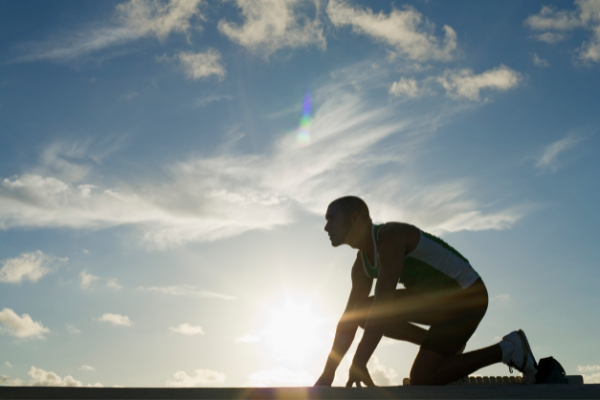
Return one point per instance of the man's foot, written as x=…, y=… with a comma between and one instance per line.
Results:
x=522, y=358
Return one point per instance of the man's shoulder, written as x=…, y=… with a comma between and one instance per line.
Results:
x=393, y=233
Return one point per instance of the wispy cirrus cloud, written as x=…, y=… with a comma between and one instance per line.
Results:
x=355, y=135
x=406, y=30
x=548, y=161
x=133, y=20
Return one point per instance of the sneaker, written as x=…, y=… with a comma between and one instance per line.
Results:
x=523, y=359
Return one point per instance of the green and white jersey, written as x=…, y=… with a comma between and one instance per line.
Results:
x=433, y=265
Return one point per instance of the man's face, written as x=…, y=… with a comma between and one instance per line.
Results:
x=337, y=226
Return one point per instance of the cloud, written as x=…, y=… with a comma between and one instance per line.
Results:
x=550, y=37
x=359, y=143
x=28, y=266
x=133, y=20
x=159, y=18
x=271, y=25
x=381, y=375
x=280, y=376
x=202, y=377
x=548, y=161
x=405, y=87
x=590, y=378
x=465, y=84
x=22, y=327
x=86, y=279
x=202, y=65
x=186, y=291
x=9, y=365
x=114, y=284
x=39, y=377
x=405, y=30
x=540, y=62
x=187, y=329
x=115, y=319
x=72, y=329
x=586, y=15
x=248, y=339
x=502, y=297
x=87, y=368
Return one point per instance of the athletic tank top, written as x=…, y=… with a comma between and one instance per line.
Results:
x=433, y=265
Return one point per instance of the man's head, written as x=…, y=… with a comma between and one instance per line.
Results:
x=347, y=218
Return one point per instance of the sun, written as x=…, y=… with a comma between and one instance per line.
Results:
x=294, y=331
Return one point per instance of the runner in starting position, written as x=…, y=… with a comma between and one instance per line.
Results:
x=442, y=290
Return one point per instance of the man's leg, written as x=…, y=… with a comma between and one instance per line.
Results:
x=396, y=328
x=431, y=368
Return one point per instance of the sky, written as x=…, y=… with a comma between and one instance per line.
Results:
x=165, y=167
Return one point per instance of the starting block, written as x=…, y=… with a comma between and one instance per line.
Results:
x=497, y=380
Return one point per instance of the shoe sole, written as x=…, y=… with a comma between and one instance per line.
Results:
x=527, y=348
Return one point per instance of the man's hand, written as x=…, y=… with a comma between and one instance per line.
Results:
x=358, y=374
x=326, y=379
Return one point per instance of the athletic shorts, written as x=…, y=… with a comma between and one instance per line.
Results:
x=453, y=317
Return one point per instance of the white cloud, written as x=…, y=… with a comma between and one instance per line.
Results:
x=406, y=30
x=381, y=375
x=548, y=161
x=248, y=339
x=134, y=19
x=594, y=377
x=270, y=25
x=465, y=84
x=39, y=377
x=187, y=329
x=405, y=87
x=159, y=18
x=186, y=291
x=87, y=368
x=358, y=144
x=586, y=15
x=8, y=364
x=202, y=377
x=540, y=62
x=86, y=279
x=115, y=319
x=502, y=297
x=280, y=376
x=72, y=329
x=202, y=65
x=22, y=327
x=550, y=37
x=28, y=266
x=114, y=284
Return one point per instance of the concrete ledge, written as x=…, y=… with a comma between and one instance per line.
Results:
x=399, y=392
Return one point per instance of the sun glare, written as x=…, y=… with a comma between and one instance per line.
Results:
x=295, y=332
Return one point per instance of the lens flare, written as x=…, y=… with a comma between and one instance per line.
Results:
x=303, y=134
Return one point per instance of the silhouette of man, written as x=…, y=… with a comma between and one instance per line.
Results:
x=442, y=290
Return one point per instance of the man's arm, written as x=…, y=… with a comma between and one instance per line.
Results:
x=392, y=246
x=348, y=325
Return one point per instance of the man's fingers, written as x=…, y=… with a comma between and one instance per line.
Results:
x=349, y=383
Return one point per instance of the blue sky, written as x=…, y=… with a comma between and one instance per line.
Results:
x=165, y=167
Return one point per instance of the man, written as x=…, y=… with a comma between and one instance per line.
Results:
x=442, y=291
